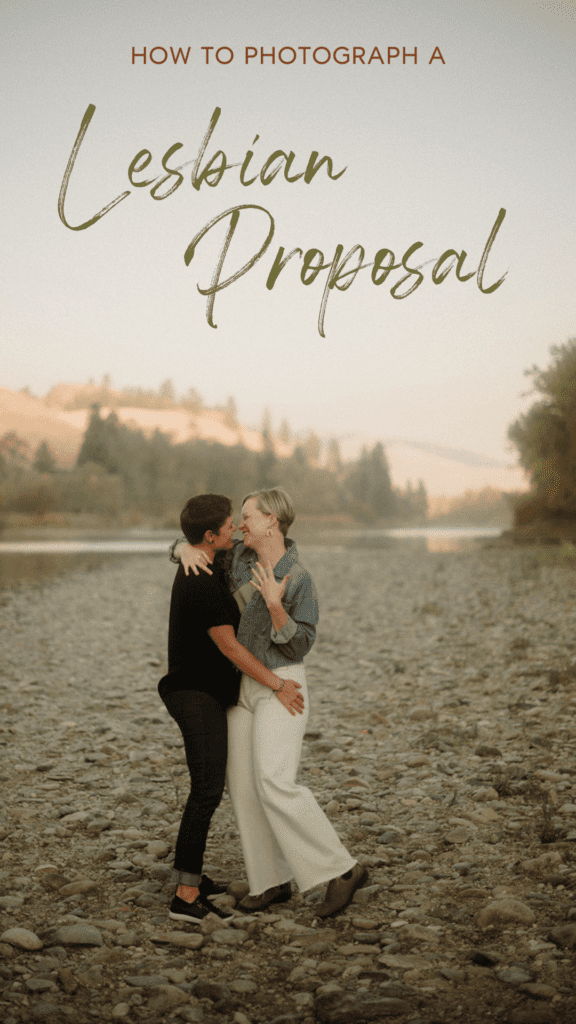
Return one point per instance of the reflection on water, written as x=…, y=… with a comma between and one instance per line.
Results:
x=29, y=557
x=80, y=547
x=29, y=569
x=36, y=558
x=428, y=538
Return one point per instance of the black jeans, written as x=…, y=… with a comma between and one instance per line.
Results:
x=202, y=722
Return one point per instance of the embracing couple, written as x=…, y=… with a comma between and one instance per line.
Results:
x=252, y=607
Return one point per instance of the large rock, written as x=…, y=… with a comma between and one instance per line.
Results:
x=78, y=887
x=92, y=978
x=67, y=980
x=146, y=981
x=505, y=912
x=458, y=835
x=165, y=997
x=539, y=864
x=538, y=1015
x=188, y=940
x=243, y=986
x=52, y=881
x=22, y=938
x=77, y=935
x=293, y=928
x=333, y=1009
x=214, y=990
x=229, y=936
x=417, y=933
x=403, y=963
x=539, y=991
x=564, y=935
x=43, y=1010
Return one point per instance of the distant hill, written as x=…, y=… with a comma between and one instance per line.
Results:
x=39, y=420
x=31, y=419
x=180, y=424
x=61, y=417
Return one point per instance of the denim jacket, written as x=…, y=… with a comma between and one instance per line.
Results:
x=276, y=648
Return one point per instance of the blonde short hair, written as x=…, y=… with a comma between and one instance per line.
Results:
x=275, y=501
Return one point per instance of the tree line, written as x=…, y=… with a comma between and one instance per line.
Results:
x=121, y=474
x=545, y=437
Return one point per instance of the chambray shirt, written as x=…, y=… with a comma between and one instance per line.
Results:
x=276, y=648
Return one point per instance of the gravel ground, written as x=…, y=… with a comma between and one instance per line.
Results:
x=441, y=744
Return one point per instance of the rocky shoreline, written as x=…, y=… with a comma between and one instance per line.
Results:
x=441, y=743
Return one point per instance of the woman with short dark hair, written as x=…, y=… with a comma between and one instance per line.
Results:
x=201, y=683
x=284, y=833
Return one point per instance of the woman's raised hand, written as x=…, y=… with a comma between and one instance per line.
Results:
x=192, y=558
x=290, y=696
x=265, y=581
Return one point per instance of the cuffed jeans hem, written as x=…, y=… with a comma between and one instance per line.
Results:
x=185, y=878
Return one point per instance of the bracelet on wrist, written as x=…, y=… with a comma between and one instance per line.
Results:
x=280, y=687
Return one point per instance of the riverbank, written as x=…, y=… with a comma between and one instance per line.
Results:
x=16, y=525
x=441, y=744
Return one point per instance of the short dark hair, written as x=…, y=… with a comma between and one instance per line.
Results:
x=204, y=512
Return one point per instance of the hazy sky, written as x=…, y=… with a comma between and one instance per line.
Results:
x=432, y=151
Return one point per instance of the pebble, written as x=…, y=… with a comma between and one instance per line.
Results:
x=539, y=991
x=78, y=935
x=335, y=1009
x=43, y=1009
x=445, y=798
x=120, y=1010
x=457, y=836
x=75, y=888
x=504, y=911
x=166, y=997
x=564, y=936
x=229, y=936
x=513, y=975
x=21, y=937
x=243, y=986
x=188, y=940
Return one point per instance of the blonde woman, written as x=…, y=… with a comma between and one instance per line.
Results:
x=284, y=833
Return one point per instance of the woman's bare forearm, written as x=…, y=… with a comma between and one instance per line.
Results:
x=228, y=645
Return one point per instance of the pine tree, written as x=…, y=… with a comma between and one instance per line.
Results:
x=192, y=400
x=166, y=395
x=266, y=463
x=100, y=444
x=44, y=459
x=15, y=449
x=231, y=414
x=284, y=434
x=381, y=496
x=369, y=485
x=312, y=446
x=334, y=457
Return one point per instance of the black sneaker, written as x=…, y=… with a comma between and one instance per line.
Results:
x=224, y=913
x=209, y=888
x=196, y=911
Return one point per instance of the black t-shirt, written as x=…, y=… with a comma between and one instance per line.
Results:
x=194, y=662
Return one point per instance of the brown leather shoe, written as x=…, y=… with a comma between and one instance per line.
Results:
x=341, y=890
x=277, y=894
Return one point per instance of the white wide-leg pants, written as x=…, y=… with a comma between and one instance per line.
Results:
x=284, y=833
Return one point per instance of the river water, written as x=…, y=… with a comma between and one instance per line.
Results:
x=36, y=557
